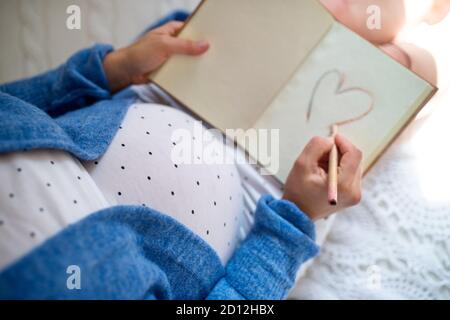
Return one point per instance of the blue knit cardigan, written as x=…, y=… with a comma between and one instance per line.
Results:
x=132, y=252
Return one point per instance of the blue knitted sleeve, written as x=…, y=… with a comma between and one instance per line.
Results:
x=130, y=252
x=265, y=265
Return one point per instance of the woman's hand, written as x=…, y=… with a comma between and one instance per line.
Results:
x=307, y=183
x=134, y=64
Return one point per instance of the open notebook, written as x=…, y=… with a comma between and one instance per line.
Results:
x=289, y=65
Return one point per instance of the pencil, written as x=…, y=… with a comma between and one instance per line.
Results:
x=333, y=171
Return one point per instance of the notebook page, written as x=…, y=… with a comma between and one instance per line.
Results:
x=344, y=78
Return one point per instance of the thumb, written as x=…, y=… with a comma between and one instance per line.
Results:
x=351, y=157
x=187, y=47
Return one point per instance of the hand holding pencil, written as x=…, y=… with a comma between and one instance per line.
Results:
x=326, y=166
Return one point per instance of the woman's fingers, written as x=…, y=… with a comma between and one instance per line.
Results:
x=350, y=167
x=315, y=150
x=183, y=46
x=170, y=44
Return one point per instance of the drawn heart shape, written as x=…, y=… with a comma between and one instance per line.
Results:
x=339, y=91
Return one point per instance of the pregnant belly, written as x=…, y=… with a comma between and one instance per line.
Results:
x=141, y=167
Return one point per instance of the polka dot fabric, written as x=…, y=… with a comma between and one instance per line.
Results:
x=138, y=169
x=41, y=193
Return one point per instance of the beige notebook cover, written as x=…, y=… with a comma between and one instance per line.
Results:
x=289, y=66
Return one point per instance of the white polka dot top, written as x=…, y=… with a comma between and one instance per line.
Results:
x=41, y=193
x=140, y=168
